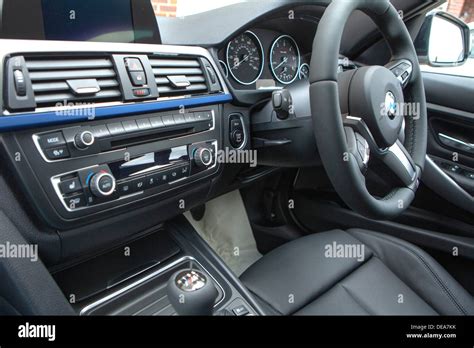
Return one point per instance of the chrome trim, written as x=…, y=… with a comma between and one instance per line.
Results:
x=103, y=193
x=455, y=143
x=299, y=71
x=117, y=293
x=262, y=64
x=224, y=68
x=298, y=64
x=397, y=151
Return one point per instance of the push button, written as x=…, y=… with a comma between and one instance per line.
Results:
x=130, y=126
x=70, y=185
x=100, y=131
x=144, y=123
x=203, y=116
x=75, y=202
x=163, y=178
x=240, y=311
x=124, y=188
x=57, y=153
x=133, y=64
x=141, y=92
x=115, y=128
x=138, y=78
x=51, y=140
x=138, y=184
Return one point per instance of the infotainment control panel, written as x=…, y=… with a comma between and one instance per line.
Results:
x=75, y=173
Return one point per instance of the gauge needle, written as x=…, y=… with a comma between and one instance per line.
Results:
x=243, y=60
x=282, y=62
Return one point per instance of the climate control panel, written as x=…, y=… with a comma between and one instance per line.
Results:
x=142, y=174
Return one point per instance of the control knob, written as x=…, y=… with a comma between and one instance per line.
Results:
x=202, y=157
x=102, y=184
x=83, y=140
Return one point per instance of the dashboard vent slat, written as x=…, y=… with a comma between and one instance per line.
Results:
x=50, y=76
x=187, y=69
x=47, y=64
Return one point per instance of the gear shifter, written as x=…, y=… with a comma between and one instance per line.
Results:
x=191, y=292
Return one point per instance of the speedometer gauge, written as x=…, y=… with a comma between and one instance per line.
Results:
x=285, y=59
x=245, y=58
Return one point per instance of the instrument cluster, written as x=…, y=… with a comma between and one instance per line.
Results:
x=263, y=59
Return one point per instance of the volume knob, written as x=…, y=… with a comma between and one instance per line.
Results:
x=102, y=184
x=83, y=140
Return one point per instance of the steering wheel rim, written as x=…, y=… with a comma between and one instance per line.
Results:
x=334, y=134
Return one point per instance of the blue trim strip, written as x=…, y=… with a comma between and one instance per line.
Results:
x=29, y=120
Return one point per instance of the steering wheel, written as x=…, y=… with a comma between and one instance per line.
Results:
x=363, y=113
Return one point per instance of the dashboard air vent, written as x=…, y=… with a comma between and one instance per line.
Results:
x=72, y=79
x=178, y=76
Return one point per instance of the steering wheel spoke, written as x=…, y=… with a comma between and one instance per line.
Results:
x=400, y=163
x=402, y=69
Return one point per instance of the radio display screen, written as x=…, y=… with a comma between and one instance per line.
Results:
x=88, y=20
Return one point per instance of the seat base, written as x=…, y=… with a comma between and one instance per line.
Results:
x=354, y=272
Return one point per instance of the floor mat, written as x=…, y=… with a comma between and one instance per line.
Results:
x=226, y=228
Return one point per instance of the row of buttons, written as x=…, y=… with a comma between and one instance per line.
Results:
x=153, y=180
x=118, y=128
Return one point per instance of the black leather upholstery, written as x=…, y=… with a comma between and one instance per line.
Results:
x=393, y=278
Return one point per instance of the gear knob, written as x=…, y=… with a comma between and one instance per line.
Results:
x=191, y=292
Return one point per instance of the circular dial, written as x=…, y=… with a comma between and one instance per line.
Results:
x=102, y=184
x=285, y=59
x=245, y=58
x=304, y=71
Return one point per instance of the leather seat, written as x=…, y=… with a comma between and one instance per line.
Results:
x=310, y=276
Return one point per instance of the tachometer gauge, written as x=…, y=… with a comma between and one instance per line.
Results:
x=245, y=58
x=285, y=59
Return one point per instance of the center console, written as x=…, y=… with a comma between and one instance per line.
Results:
x=92, y=130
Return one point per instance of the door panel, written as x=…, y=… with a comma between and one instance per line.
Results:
x=450, y=173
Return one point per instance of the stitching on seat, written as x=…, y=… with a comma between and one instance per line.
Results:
x=414, y=252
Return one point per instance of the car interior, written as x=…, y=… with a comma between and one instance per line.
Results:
x=257, y=158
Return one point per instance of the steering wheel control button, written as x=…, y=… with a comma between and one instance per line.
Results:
x=57, y=153
x=51, y=140
x=70, y=186
x=102, y=184
x=84, y=140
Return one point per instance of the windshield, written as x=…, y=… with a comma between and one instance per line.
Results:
x=184, y=8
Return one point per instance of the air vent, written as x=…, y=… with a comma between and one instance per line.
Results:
x=72, y=79
x=175, y=76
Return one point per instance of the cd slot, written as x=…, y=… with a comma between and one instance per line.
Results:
x=150, y=136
